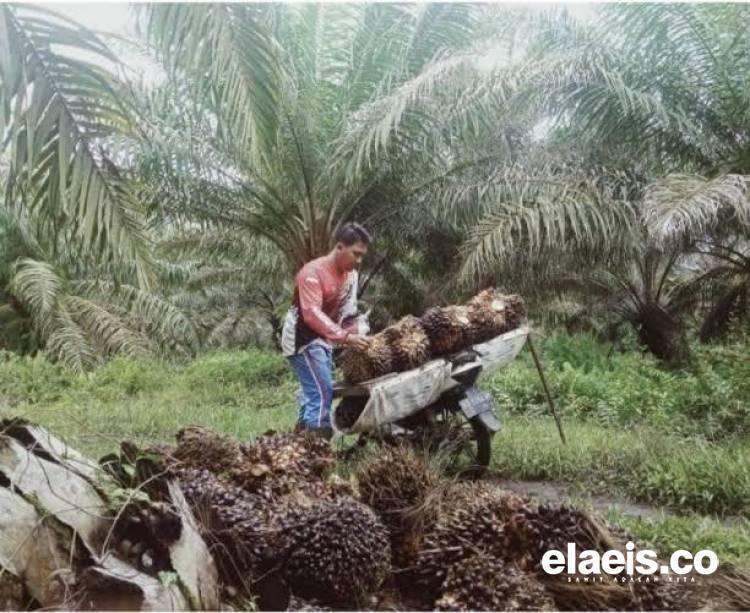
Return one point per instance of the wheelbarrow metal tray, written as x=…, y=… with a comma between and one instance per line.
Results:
x=398, y=395
x=501, y=350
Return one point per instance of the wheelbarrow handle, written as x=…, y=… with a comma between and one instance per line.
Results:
x=546, y=389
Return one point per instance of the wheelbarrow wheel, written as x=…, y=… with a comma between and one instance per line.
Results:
x=463, y=446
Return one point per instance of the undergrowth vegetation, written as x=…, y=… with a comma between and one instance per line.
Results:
x=710, y=399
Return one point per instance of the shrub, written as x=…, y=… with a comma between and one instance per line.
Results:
x=710, y=399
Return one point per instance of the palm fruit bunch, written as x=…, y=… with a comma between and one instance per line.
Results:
x=143, y=531
x=397, y=485
x=362, y=365
x=651, y=596
x=12, y=592
x=202, y=448
x=516, y=312
x=488, y=583
x=335, y=552
x=537, y=530
x=232, y=521
x=448, y=329
x=472, y=519
x=276, y=464
x=492, y=314
x=486, y=313
x=409, y=344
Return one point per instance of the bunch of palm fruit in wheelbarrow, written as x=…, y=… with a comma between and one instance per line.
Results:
x=412, y=341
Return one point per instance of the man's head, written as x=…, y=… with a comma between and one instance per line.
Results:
x=352, y=241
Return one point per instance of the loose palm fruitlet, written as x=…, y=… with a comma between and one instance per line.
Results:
x=488, y=583
x=277, y=464
x=336, y=552
x=376, y=361
x=409, y=344
x=142, y=532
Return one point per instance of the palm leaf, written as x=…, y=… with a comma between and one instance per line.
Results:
x=168, y=322
x=691, y=206
x=229, y=50
x=105, y=329
x=62, y=109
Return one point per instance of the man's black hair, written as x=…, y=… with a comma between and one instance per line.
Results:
x=351, y=233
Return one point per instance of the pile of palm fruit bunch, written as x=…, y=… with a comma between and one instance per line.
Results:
x=412, y=341
x=471, y=546
x=397, y=535
x=276, y=520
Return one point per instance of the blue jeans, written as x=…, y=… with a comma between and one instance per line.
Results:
x=314, y=369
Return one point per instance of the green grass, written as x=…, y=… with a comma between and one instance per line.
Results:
x=666, y=534
x=640, y=462
x=241, y=393
x=710, y=400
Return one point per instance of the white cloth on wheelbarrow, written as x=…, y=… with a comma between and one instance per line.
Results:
x=501, y=350
x=397, y=397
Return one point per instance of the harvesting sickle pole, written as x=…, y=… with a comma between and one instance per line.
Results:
x=546, y=388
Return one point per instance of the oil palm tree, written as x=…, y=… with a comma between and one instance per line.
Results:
x=312, y=113
x=58, y=113
x=655, y=83
x=77, y=273
x=77, y=309
x=612, y=236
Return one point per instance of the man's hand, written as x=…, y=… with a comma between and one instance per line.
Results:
x=357, y=342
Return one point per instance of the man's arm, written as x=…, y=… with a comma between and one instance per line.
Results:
x=351, y=320
x=311, y=309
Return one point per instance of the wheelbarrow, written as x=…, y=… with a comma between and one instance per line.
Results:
x=437, y=406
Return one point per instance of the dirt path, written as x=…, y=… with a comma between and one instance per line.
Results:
x=557, y=491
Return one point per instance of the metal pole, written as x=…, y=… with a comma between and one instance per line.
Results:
x=546, y=389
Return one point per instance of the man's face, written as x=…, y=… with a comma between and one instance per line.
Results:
x=350, y=257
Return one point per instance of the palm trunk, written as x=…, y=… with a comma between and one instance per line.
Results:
x=663, y=335
x=731, y=306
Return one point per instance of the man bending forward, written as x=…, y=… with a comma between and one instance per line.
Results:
x=323, y=314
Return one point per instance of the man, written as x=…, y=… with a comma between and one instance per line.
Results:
x=323, y=314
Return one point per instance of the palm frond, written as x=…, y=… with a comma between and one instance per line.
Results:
x=37, y=286
x=41, y=291
x=691, y=206
x=229, y=51
x=372, y=128
x=524, y=228
x=68, y=345
x=170, y=324
x=61, y=110
x=105, y=329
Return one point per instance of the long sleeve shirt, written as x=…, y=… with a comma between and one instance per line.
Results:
x=323, y=298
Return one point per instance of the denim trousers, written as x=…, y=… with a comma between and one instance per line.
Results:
x=314, y=369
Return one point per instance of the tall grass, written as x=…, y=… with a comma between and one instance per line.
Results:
x=711, y=399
